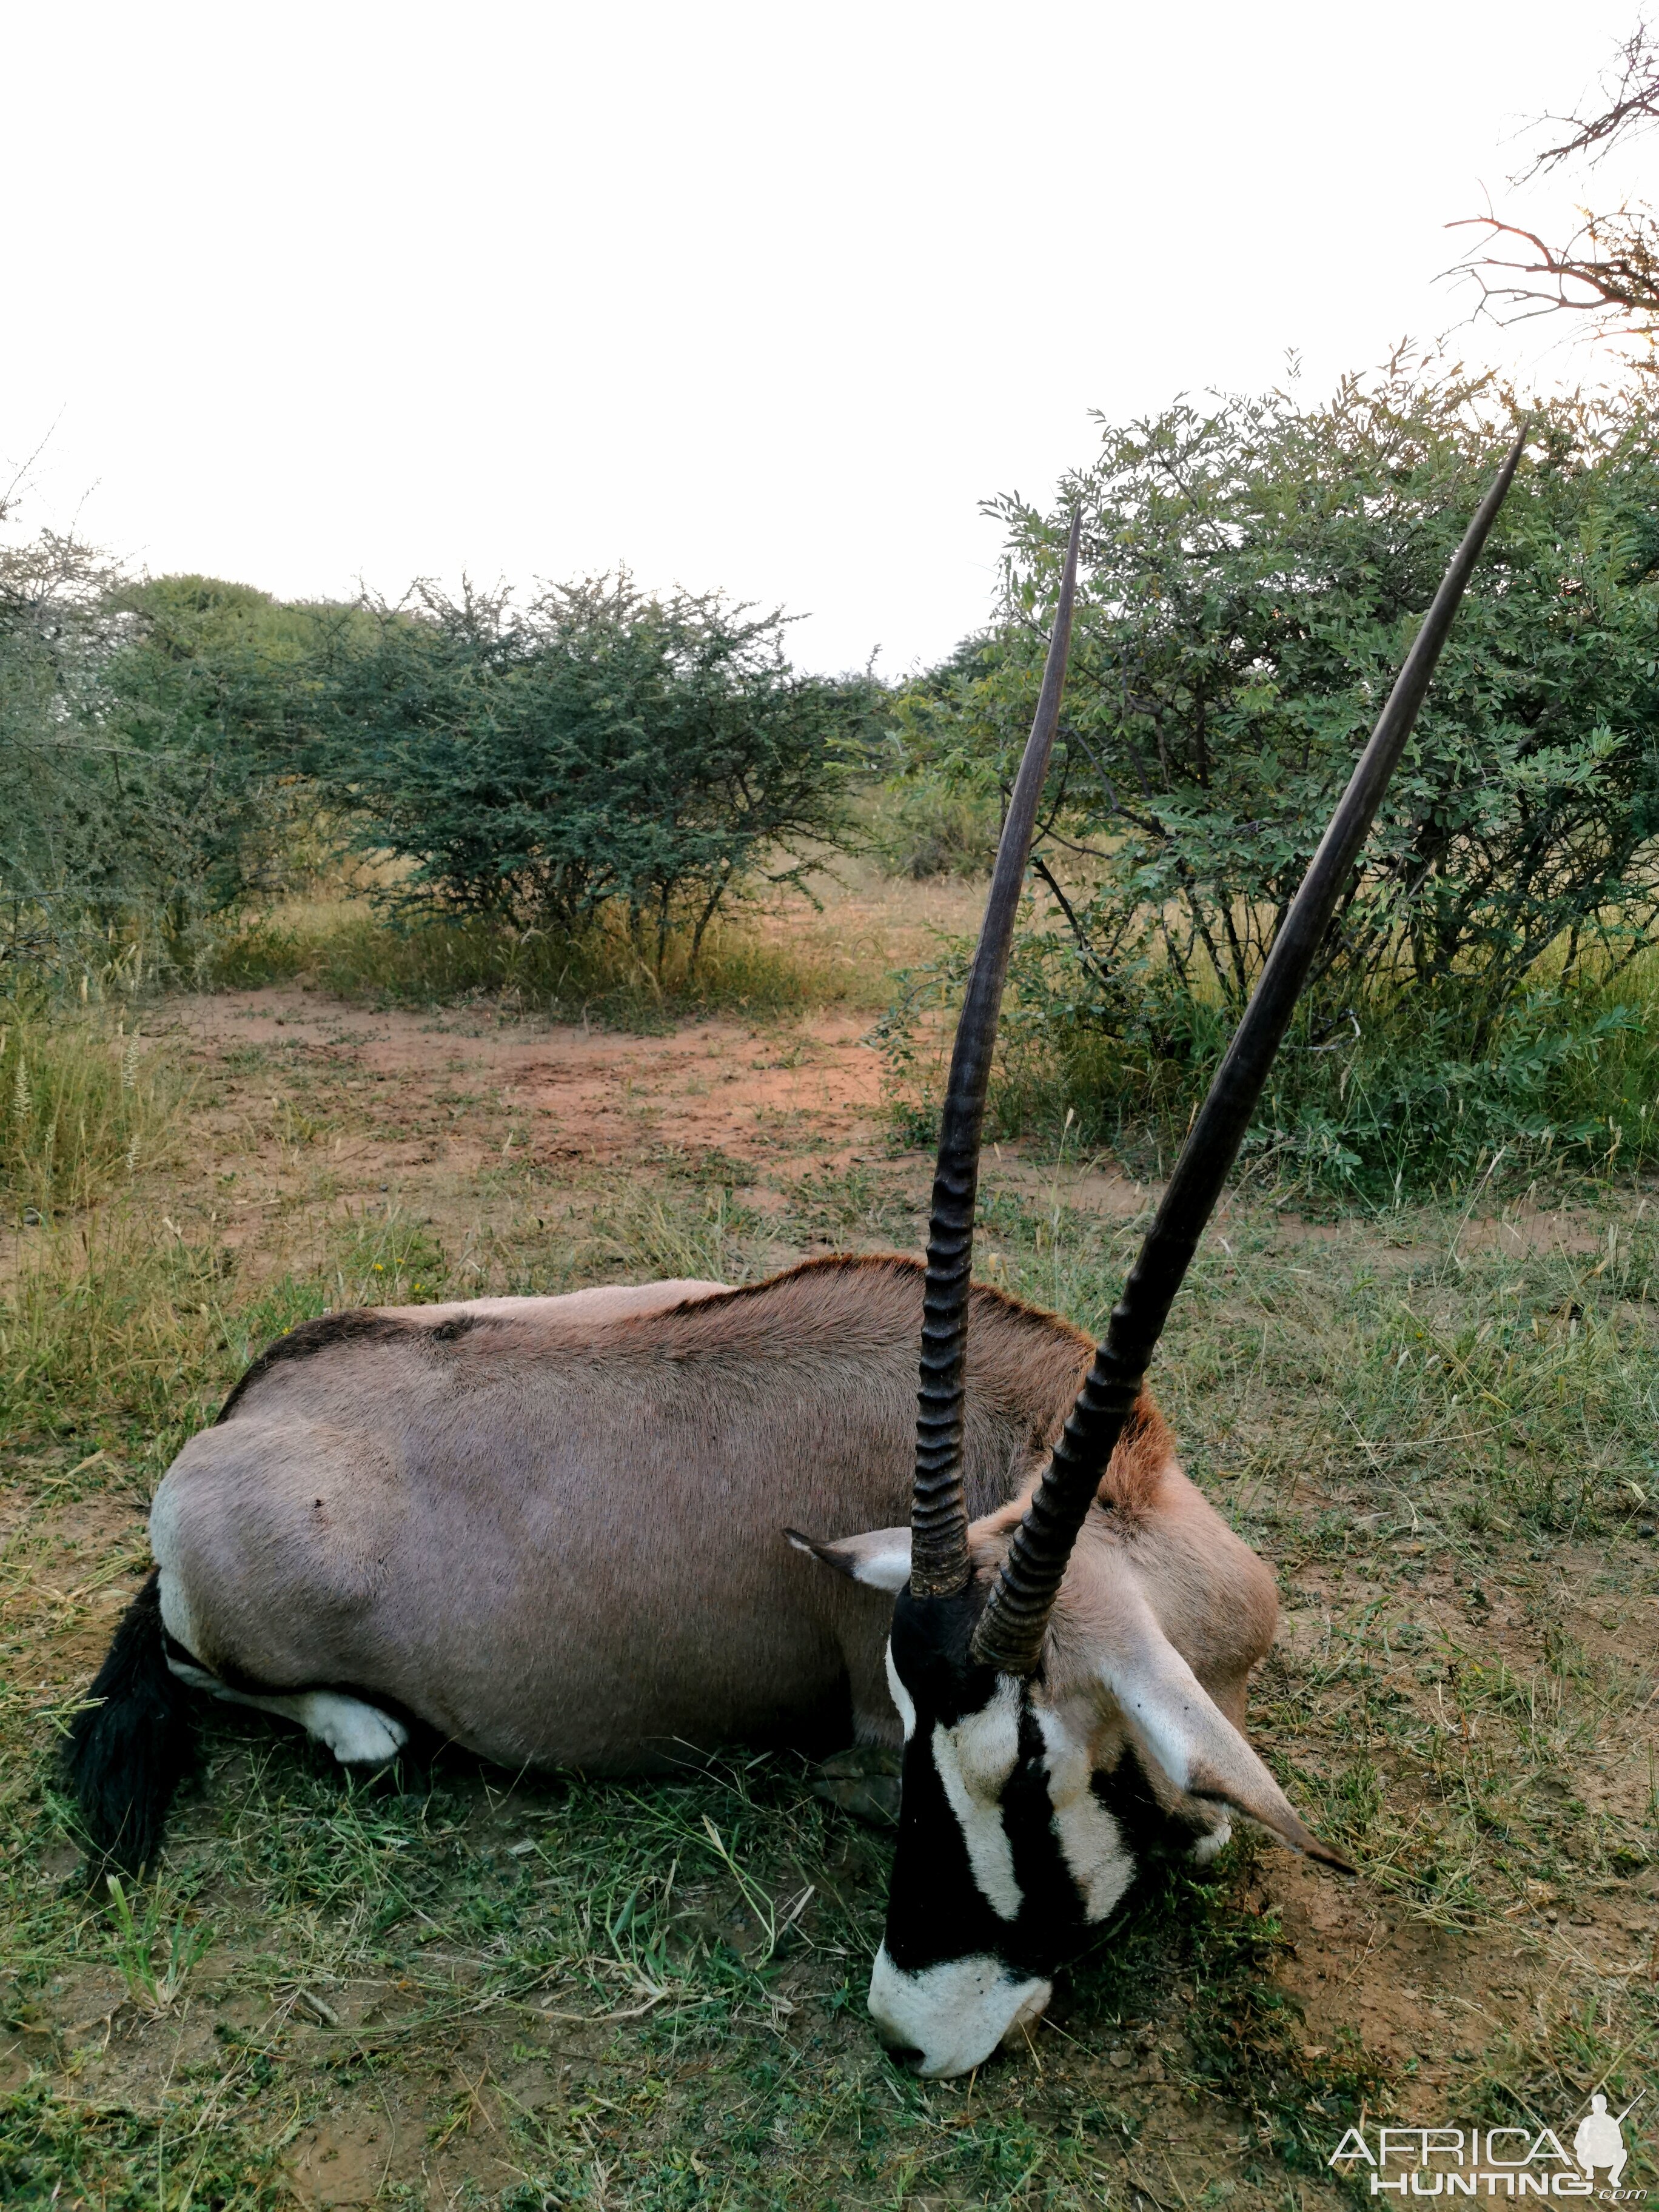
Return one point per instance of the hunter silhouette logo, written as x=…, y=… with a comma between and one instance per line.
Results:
x=1509, y=2162
x=1600, y=2140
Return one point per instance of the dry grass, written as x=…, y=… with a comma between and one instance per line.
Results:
x=344, y=947
x=82, y=1110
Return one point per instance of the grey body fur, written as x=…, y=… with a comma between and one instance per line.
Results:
x=552, y=1528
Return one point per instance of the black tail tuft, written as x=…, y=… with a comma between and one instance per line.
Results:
x=127, y=1755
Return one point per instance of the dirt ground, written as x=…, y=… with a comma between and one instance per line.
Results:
x=432, y=1100
x=1436, y=1691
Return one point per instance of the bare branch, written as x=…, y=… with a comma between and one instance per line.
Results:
x=1630, y=87
x=15, y=490
x=1609, y=269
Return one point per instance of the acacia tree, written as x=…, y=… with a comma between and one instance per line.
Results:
x=143, y=748
x=599, y=748
x=1254, y=573
x=66, y=865
x=203, y=694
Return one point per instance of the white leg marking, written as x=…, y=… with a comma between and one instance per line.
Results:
x=954, y=2014
x=974, y=1759
x=358, y=1734
x=1089, y=1838
x=1212, y=1846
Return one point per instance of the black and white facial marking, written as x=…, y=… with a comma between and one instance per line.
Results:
x=1012, y=1844
x=1007, y=1855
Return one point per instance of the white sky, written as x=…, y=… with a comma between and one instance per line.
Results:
x=763, y=296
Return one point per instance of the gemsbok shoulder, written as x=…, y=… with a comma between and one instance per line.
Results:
x=569, y=1531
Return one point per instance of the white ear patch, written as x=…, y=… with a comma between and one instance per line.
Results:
x=974, y=1759
x=880, y=1559
x=885, y=1570
x=954, y=2014
x=1089, y=1838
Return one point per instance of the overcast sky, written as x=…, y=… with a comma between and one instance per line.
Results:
x=767, y=297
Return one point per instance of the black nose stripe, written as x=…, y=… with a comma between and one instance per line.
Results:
x=936, y=1909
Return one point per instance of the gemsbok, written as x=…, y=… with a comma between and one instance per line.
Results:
x=566, y=1531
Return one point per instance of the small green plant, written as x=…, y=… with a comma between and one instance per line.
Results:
x=1390, y=1108
x=154, y=1987
x=709, y=1236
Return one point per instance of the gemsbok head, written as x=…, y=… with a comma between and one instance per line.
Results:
x=1039, y=1697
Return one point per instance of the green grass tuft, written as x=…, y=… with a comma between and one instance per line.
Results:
x=83, y=1107
x=346, y=949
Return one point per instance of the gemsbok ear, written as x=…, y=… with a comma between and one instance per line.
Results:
x=880, y=1558
x=1177, y=1725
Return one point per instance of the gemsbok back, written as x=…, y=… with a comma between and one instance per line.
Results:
x=566, y=1531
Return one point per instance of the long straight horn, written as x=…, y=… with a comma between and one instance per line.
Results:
x=1010, y=1633
x=938, y=1514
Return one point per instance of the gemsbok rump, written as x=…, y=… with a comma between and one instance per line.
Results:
x=567, y=1531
